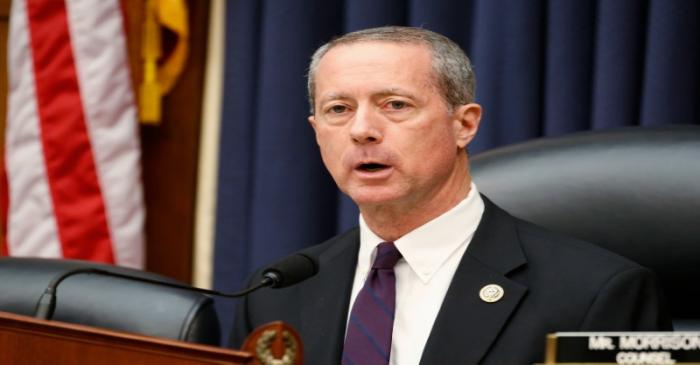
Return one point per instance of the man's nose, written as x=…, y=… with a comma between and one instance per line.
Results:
x=366, y=127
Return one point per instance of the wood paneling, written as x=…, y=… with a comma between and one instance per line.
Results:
x=170, y=151
x=26, y=340
x=4, y=23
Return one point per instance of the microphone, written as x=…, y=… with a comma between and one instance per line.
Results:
x=291, y=270
x=286, y=272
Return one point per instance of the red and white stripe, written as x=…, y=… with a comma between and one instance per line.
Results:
x=72, y=148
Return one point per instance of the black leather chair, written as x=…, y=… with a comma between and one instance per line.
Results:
x=109, y=302
x=634, y=191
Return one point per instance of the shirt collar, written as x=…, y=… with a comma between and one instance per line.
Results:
x=426, y=248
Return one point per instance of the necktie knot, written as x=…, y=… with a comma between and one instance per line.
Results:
x=387, y=256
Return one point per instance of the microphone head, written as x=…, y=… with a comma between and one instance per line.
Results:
x=291, y=270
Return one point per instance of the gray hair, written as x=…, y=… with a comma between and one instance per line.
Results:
x=453, y=70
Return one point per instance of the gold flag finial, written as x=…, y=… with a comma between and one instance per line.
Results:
x=158, y=81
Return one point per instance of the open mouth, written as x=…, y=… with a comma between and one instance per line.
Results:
x=371, y=167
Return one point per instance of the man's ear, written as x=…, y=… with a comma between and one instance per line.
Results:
x=312, y=121
x=466, y=123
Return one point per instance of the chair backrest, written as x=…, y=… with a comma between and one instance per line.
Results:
x=634, y=191
x=109, y=302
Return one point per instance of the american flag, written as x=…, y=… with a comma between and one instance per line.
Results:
x=72, y=155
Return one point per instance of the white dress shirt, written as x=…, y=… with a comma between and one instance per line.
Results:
x=431, y=254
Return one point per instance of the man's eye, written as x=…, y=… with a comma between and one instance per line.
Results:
x=337, y=109
x=397, y=105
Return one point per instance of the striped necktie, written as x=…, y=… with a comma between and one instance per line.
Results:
x=368, y=339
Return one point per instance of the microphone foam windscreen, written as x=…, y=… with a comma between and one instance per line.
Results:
x=293, y=269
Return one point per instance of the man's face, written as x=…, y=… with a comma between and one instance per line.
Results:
x=385, y=131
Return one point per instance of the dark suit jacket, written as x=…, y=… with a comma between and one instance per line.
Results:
x=551, y=283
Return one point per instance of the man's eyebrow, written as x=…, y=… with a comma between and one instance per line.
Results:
x=379, y=93
x=334, y=96
x=395, y=91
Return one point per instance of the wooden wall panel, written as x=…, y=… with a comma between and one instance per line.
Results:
x=4, y=23
x=170, y=150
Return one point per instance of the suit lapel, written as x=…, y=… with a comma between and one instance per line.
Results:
x=466, y=326
x=325, y=301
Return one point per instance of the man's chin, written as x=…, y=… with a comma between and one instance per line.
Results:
x=373, y=197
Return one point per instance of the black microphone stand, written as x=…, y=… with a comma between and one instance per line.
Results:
x=47, y=303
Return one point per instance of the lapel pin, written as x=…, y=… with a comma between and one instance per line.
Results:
x=491, y=293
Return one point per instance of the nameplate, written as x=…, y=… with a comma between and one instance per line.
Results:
x=623, y=348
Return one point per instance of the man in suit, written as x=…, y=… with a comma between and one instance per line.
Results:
x=393, y=113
